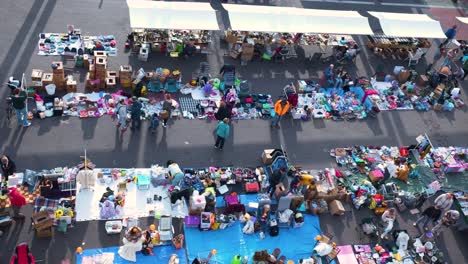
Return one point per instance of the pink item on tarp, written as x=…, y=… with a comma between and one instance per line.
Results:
x=367, y=93
x=38, y=98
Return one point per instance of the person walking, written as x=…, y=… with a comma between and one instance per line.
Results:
x=449, y=219
x=18, y=101
x=432, y=213
x=8, y=167
x=135, y=113
x=223, y=112
x=276, y=178
x=222, y=132
x=444, y=201
x=281, y=108
x=451, y=33
x=167, y=109
x=16, y=200
x=388, y=217
x=122, y=115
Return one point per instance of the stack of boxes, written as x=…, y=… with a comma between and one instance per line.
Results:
x=58, y=75
x=97, y=71
x=125, y=76
x=111, y=79
x=36, y=78
x=71, y=84
x=100, y=65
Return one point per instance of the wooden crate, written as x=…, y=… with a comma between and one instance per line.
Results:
x=43, y=224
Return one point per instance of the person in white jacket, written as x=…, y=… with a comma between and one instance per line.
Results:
x=388, y=217
x=444, y=201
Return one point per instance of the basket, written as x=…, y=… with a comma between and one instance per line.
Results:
x=114, y=227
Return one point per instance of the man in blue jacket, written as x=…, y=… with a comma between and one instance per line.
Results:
x=451, y=33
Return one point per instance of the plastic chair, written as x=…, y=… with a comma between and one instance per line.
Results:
x=171, y=86
x=155, y=85
x=414, y=58
x=165, y=229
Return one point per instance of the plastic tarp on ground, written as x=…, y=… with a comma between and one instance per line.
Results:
x=231, y=241
x=409, y=25
x=300, y=20
x=161, y=255
x=172, y=15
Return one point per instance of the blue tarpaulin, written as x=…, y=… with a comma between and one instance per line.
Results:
x=161, y=255
x=295, y=243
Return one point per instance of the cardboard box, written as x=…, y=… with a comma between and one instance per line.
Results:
x=36, y=75
x=100, y=53
x=110, y=82
x=59, y=68
x=101, y=62
x=422, y=80
x=267, y=159
x=340, y=152
x=86, y=61
x=336, y=208
x=438, y=107
x=47, y=78
x=112, y=74
x=71, y=86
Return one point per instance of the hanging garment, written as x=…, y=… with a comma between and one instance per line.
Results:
x=86, y=178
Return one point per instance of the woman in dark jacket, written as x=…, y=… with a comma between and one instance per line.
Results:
x=223, y=112
x=8, y=167
x=167, y=109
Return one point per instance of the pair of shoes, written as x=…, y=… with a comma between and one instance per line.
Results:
x=123, y=129
x=220, y=148
x=278, y=126
x=28, y=124
x=157, y=198
x=414, y=224
x=215, y=147
x=163, y=125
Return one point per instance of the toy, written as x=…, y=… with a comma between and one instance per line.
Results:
x=207, y=220
x=79, y=250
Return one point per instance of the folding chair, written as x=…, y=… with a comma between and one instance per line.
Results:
x=165, y=229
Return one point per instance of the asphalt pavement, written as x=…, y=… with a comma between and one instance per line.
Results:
x=60, y=141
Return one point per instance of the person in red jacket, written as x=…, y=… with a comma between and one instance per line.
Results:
x=16, y=200
x=22, y=255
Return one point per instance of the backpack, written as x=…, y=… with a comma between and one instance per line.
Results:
x=274, y=231
x=17, y=256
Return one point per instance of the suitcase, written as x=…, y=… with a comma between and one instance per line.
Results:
x=252, y=187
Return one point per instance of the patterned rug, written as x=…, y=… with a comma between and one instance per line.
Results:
x=30, y=197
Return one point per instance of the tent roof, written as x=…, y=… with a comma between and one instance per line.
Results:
x=172, y=15
x=409, y=25
x=463, y=19
x=291, y=19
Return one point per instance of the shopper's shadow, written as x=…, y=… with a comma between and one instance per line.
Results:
x=88, y=126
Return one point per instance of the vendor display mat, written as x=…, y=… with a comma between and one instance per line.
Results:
x=198, y=94
x=231, y=241
x=23, y=190
x=161, y=255
x=87, y=201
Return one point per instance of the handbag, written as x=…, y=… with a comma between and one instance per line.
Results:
x=164, y=114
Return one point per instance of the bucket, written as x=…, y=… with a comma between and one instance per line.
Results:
x=50, y=89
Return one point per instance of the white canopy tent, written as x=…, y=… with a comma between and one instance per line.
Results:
x=463, y=19
x=409, y=25
x=300, y=20
x=172, y=15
